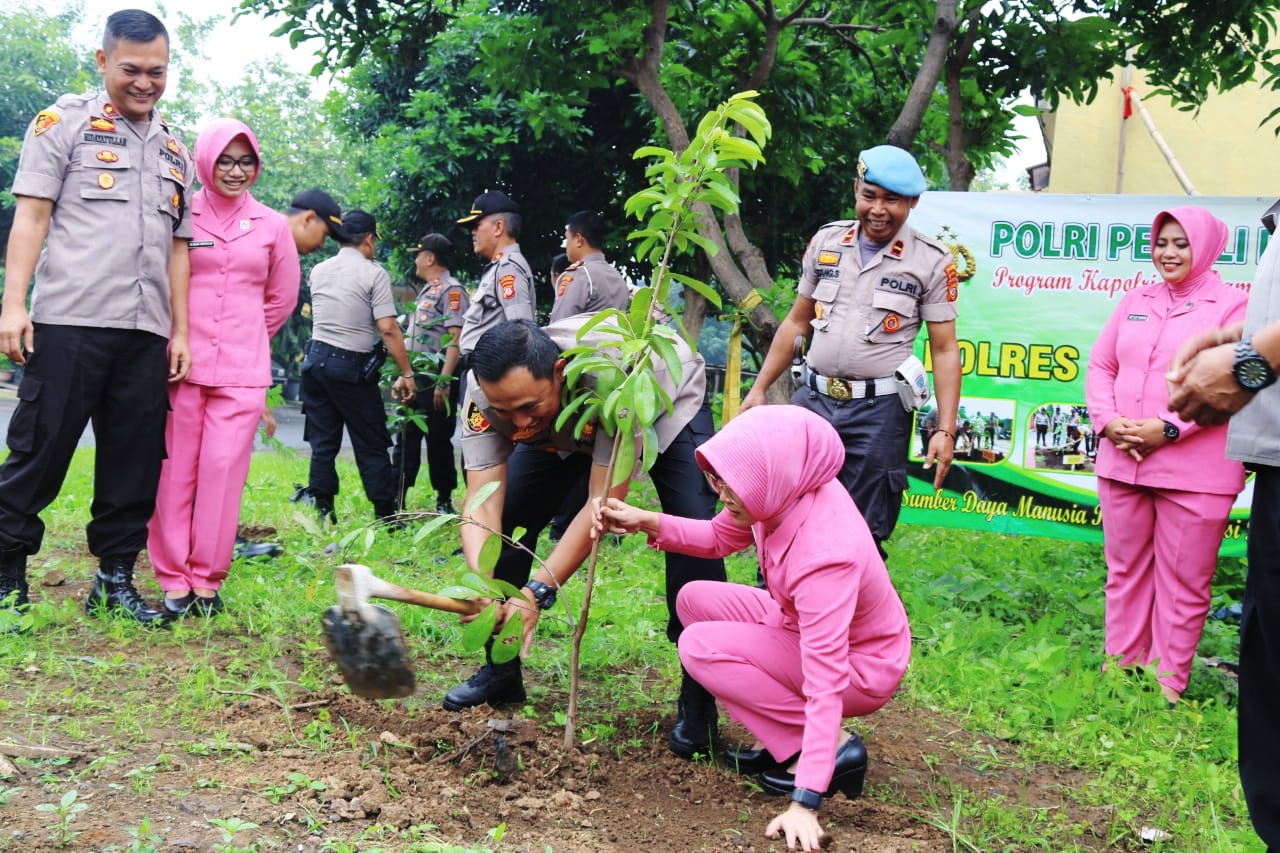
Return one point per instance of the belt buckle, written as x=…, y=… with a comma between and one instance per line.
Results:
x=838, y=389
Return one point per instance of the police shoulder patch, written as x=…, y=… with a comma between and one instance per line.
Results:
x=476, y=421
x=45, y=120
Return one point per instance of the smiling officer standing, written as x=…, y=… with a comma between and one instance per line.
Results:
x=102, y=185
x=865, y=287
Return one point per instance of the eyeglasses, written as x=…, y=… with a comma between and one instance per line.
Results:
x=717, y=485
x=246, y=163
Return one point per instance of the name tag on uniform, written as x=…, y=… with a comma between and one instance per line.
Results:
x=1141, y=318
x=199, y=244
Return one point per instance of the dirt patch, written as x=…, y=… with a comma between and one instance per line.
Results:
x=330, y=771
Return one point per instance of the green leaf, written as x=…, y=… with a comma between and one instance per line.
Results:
x=477, y=632
x=489, y=553
x=431, y=526
x=709, y=294
x=626, y=459
x=482, y=495
x=506, y=646
x=667, y=351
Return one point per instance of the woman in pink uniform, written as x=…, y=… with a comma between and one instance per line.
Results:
x=828, y=639
x=1165, y=485
x=244, y=284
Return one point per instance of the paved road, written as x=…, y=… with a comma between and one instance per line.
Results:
x=288, y=418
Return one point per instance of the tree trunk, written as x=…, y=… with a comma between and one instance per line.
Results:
x=907, y=126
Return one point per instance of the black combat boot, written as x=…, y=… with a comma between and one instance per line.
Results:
x=13, y=580
x=696, y=720
x=113, y=590
x=493, y=684
x=306, y=496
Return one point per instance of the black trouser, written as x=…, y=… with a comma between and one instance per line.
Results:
x=874, y=432
x=116, y=378
x=537, y=483
x=406, y=456
x=334, y=396
x=1259, y=729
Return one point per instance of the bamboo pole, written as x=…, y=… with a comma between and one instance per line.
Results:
x=1161, y=144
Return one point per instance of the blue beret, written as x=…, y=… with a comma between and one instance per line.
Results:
x=893, y=168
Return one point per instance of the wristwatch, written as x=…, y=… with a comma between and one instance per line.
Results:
x=1251, y=370
x=1171, y=431
x=544, y=595
x=811, y=800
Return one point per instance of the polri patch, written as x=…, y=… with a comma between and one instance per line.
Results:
x=45, y=120
x=508, y=285
x=476, y=421
x=563, y=284
x=455, y=300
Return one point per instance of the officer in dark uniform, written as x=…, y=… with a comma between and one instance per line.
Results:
x=505, y=291
x=102, y=184
x=351, y=308
x=865, y=288
x=437, y=316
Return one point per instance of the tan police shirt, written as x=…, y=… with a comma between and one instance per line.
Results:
x=505, y=293
x=487, y=440
x=868, y=317
x=439, y=307
x=589, y=285
x=349, y=295
x=121, y=192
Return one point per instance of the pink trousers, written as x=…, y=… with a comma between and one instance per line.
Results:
x=734, y=645
x=1161, y=547
x=209, y=438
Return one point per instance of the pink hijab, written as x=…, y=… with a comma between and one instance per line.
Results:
x=210, y=144
x=1207, y=235
x=774, y=458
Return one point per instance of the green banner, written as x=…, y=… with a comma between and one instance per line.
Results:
x=1040, y=275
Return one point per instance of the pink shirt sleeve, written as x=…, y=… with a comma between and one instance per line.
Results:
x=700, y=538
x=284, y=276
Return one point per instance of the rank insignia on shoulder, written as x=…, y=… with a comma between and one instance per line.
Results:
x=105, y=125
x=108, y=156
x=109, y=110
x=508, y=285
x=173, y=145
x=45, y=120
x=896, y=250
x=829, y=258
x=435, y=289
x=476, y=421
x=106, y=180
x=573, y=266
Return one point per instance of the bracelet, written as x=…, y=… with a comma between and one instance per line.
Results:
x=950, y=435
x=406, y=375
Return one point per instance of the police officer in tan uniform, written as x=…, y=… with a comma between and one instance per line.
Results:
x=437, y=313
x=866, y=285
x=352, y=310
x=102, y=184
x=505, y=291
x=509, y=408
x=590, y=283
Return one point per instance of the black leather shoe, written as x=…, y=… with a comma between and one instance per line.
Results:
x=176, y=608
x=847, y=776
x=493, y=684
x=750, y=762
x=696, y=720
x=206, y=606
x=246, y=550
x=113, y=590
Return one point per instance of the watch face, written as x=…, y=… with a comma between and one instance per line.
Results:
x=1253, y=373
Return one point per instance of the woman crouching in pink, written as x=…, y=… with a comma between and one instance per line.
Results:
x=828, y=639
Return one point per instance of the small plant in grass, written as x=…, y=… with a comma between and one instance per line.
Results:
x=295, y=783
x=231, y=827
x=66, y=809
x=144, y=839
x=6, y=793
